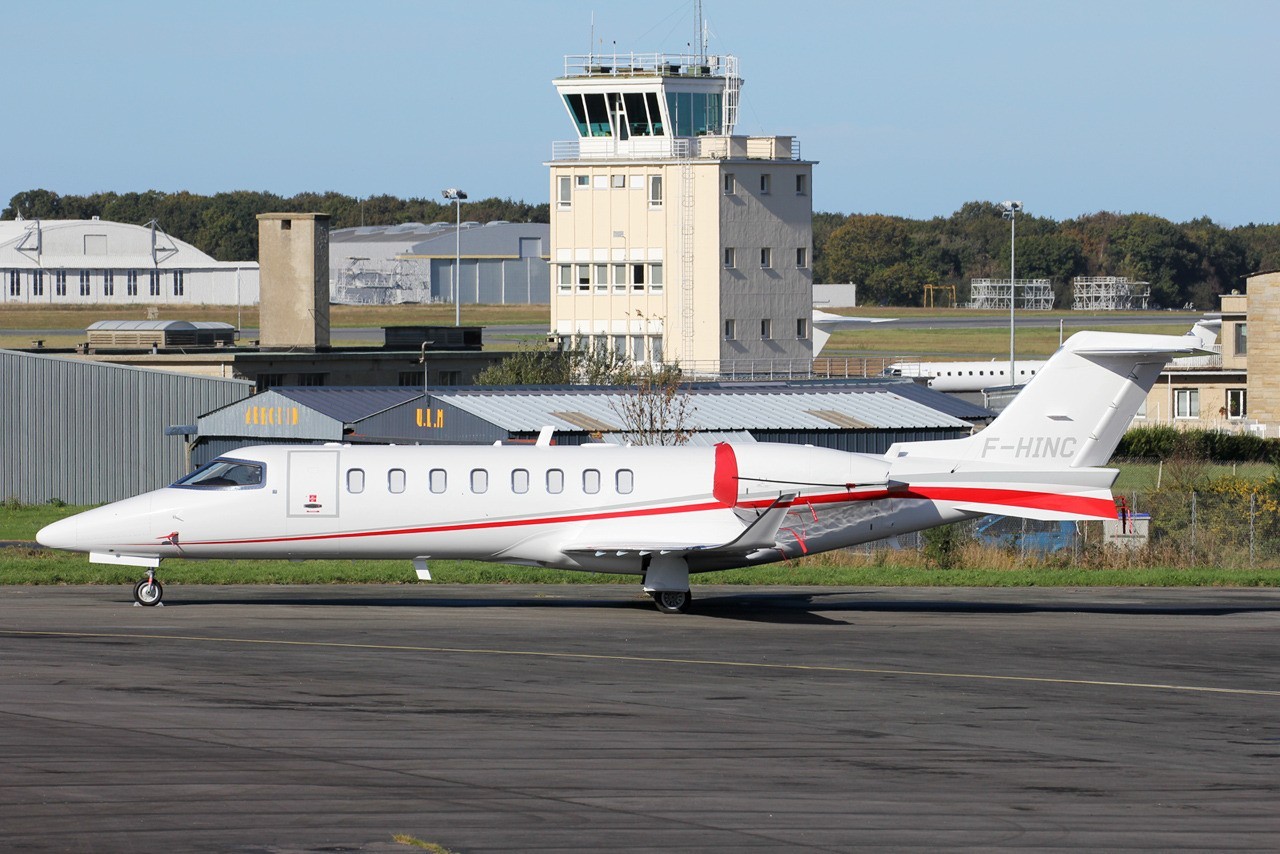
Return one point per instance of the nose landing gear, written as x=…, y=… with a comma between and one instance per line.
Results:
x=148, y=591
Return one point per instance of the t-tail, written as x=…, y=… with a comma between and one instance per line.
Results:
x=1042, y=457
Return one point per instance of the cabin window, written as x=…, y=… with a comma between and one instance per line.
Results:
x=626, y=481
x=395, y=481
x=438, y=481
x=555, y=481
x=479, y=481
x=355, y=481
x=591, y=481
x=236, y=474
x=520, y=481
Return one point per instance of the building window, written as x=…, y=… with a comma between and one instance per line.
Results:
x=555, y=481
x=266, y=381
x=179, y=283
x=730, y=258
x=60, y=282
x=618, y=182
x=802, y=257
x=312, y=379
x=520, y=481
x=655, y=277
x=766, y=257
x=37, y=283
x=601, y=277
x=584, y=276
x=1186, y=403
x=155, y=282
x=131, y=283
x=565, y=278
x=802, y=185
x=766, y=329
x=1242, y=339
x=355, y=481
x=802, y=328
x=479, y=481
x=286, y=225
x=449, y=378
x=1237, y=403
x=565, y=185
x=655, y=348
x=15, y=283
x=625, y=481
x=766, y=184
x=637, y=277
x=730, y=184
x=591, y=481
x=730, y=330
x=409, y=379
x=438, y=481
x=395, y=481
x=84, y=283
x=620, y=278
x=108, y=283
x=583, y=181
x=655, y=191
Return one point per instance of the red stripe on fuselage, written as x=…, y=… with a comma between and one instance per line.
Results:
x=1012, y=498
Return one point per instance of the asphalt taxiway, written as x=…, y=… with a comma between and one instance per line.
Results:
x=577, y=718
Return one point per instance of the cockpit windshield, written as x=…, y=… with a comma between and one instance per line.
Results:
x=238, y=474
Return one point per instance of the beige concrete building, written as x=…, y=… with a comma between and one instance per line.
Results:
x=293, y=256
x=672, y=239
x=1220, y=392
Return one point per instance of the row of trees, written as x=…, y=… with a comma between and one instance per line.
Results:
x=891, y=258
x=225, y=224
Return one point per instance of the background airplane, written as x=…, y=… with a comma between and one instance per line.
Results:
x=659, y=513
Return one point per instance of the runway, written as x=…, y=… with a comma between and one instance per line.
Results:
x=577, y=718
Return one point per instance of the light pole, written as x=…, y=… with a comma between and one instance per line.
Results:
x=456, y=196
x=1011, y=209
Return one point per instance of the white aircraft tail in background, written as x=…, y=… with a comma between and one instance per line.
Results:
x=659, y=513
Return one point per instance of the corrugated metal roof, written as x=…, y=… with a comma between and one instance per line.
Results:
x=151, y=325
x=873, y=407
x=348, y=405
x=489, y=240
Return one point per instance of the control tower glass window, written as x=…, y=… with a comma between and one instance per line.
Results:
x=694, y=113
x=578, y=111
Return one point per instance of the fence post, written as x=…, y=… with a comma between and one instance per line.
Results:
x=1253, y=510
x=1193, y=526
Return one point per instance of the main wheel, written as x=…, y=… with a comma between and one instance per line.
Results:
x=672, y=601
x=148, y=592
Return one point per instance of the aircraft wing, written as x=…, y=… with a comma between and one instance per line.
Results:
x=762, y=533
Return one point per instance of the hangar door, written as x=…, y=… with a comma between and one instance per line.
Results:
x=313, y=483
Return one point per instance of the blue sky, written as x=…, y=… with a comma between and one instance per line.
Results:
x=911, y=108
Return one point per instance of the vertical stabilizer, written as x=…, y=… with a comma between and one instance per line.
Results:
x=1075, y=410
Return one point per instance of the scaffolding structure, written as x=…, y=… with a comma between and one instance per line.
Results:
x=393, y=282
x=931, y=295
x=1109, y=293
x=1037, y=294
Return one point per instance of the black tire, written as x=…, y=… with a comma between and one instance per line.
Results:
x=148, y=592
x=672, y=601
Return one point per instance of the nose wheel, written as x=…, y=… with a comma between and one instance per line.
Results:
x=148, y=591
x=672, y=601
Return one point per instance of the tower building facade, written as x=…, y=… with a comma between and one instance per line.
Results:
x=672, y=239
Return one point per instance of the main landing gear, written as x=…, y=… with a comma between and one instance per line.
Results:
x=666, y=579
x=148, y=591
x=672, y=601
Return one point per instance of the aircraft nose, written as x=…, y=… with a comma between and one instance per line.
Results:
x=63, y=534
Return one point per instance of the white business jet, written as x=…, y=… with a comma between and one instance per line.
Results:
x=659, y=513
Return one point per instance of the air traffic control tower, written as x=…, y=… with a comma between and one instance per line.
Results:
x=672, y=239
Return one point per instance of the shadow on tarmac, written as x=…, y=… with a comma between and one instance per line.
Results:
x=784, y=607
